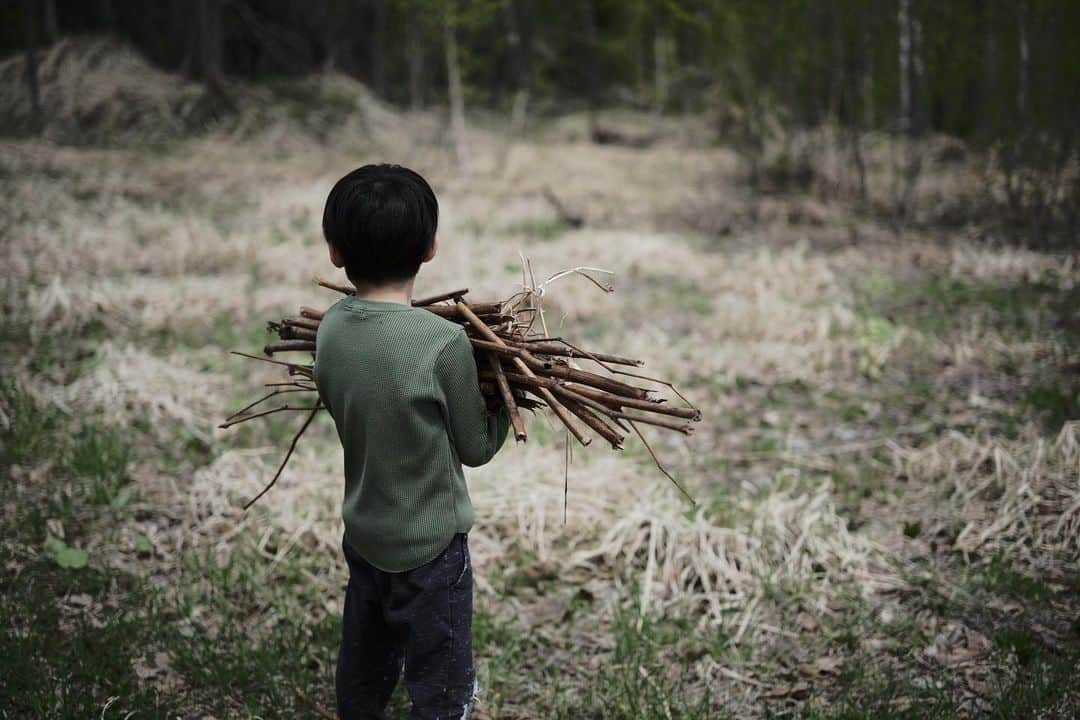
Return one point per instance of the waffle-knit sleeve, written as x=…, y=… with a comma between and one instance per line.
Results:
x=475, y=433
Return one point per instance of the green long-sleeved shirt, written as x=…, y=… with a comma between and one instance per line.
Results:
x=401, y=385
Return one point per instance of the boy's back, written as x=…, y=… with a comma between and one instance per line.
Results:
x=401, y=385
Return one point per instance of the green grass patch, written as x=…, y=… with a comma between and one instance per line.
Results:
x=863, y=692
x=1000, y=578
x=59, y=659
x=938, y=304
x=499, y=648
x=1026, y=681
x=639, y=680
x=233, y=636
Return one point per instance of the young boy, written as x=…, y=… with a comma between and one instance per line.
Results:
x=401, y=385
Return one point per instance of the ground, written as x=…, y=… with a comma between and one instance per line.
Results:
x=887, y=517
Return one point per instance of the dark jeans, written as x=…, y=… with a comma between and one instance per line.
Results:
x=422, y=618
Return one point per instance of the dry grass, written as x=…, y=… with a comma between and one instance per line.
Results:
x=165, y=260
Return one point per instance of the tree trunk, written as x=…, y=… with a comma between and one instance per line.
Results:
x=180, y=17
x=519, y=70
x=987, y=115
x=869, y=39
x=1025, y=59
x=454, y=85
x=919, y=84
x=589, y=25
x=108, y=17
x=903, y=20
x=415, y=42
x=663, y=54
x=378, y=48
x=52, y=30
x=37, y=120
x=211, y=46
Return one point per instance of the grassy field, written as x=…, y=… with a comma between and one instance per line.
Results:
x=887, y=477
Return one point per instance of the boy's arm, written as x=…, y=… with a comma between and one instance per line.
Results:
x=477, y=434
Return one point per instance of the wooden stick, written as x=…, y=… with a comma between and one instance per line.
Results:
x=508, y=397
x=487, y=310
x=565, y=373
x=585, y=377
x=488, y=388
x=616, y=371
x=616, y=403
x=551, y=348
x=484, y=310
x=452, y=295
x=595, y=422
x=331, y=285
x=289, y=346
x=289, y=332
x=684, y=428
x=296, y=438
x=654, y=406
x=569, y=391
x=301, y=322
x=559, y=411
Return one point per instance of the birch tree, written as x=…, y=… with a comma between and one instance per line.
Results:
x=455, y=88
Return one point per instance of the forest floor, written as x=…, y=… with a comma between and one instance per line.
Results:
x=887, y=476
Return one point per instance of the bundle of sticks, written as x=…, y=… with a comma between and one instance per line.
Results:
x=519, y=368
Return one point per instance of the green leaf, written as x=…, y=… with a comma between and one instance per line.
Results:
x=63, y=555
x=53, y=545
x=71, y=557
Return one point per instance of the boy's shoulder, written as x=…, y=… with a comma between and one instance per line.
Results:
x=419, y=322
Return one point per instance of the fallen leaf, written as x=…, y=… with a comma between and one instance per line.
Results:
x=825, y=665
x=783, y=690
x=81, y=600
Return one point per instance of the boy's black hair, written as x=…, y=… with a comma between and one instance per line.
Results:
x=382, y=220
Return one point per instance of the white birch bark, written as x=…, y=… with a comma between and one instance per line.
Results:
x=903, y=19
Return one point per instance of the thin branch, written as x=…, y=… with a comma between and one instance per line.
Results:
x=264, y=413
x=639, y=376
x=304, y=369
x=296, y=439
x=452, y=295
x=559, y=411
x=263, y=399
x=660, y=466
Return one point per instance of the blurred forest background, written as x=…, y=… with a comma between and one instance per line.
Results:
x=846, y=230
x=1000, y=75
